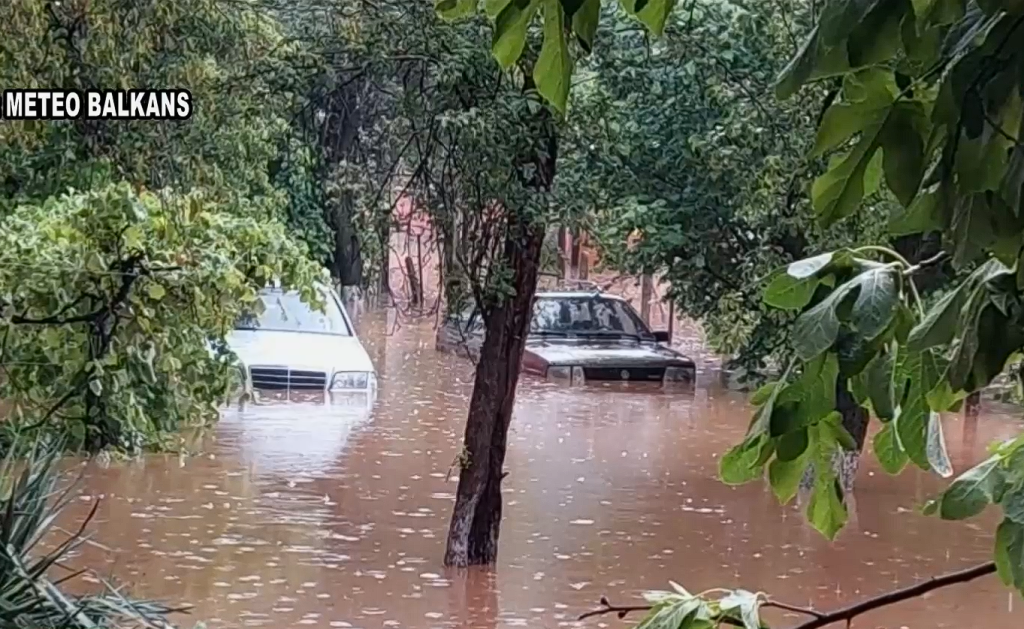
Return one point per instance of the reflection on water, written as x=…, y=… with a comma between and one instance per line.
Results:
x=327, y=517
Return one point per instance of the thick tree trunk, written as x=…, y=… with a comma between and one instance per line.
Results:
x=473, y=534
x=348, y=259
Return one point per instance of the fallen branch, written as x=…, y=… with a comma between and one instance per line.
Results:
x=846, y=614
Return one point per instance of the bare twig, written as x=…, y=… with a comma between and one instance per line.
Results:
x=898, y=596
x=845, y=614
x=935, y=260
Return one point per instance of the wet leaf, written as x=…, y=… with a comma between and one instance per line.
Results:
x=510, y=28
x=826, y=511
x=789, y=293
x=939, y=324
x=739, y=464
x=877, y=381
x=803, y=269
x=554, y=65
x=1013, y=505
x=876, y=301
x=585, y=21
x=455, y=9
x=887, y=450
x=972, y=491
x=785, y=476
x=921, y=371
x=809, y=398
x=675, y=614
x=938, y=457
x=792, y=445
x=816, y=330
x=155, y=291
x=1009, y=554
x=744, y=605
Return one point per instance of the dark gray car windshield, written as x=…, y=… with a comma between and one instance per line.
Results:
x=286, y=312
x=589, y=315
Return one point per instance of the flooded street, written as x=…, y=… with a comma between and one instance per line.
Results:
x=299, y=517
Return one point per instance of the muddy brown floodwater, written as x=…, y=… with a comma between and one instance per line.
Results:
x=298, y=517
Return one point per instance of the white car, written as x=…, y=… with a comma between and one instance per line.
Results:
x=293, y=352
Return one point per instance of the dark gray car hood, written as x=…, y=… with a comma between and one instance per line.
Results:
x=590, y=353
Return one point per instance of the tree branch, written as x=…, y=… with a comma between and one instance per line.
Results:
x=898, y=596
x=845, y=614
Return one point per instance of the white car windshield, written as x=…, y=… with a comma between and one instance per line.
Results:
x=286, y=312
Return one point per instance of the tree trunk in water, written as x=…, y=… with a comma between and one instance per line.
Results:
x=415, y=290
x=473, y=533
x=972, y=405
x=646, y=290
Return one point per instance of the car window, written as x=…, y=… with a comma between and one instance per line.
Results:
x=585, y=315
x=286, y=312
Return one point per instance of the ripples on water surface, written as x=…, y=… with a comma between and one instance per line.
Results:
x=296, y=517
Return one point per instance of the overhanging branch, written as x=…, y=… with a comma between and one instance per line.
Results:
x=845, y=614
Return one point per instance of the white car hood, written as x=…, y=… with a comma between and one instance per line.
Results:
x=295, y=350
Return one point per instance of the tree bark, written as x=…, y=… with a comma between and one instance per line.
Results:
x=473, y=533
x=476, y=517
x=646, y=290
x=415, y=290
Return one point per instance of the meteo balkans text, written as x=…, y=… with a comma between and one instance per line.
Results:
x=96, y=105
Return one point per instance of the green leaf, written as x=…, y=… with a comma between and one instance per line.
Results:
x=974, y=490
x=872, y=311
x=876, y=301
x=763, y=394
x=739, y=464
x=455, y=9
x=674, y=614
x=923, y=215
x=887, y=450
x=493, y=7
x=816, y=329
x=922, y=371
x=1013, y=505
x=96, y=387
x=744, y=605
x=939, y=324
x=792, y=445
x=903, y=150
x=826, y=511
x=868, y=99
x=510, y=28
x=553, y=70
x=155, y=291
x=809, y=398
x=585, y=21
x=789, y=293
x=653, y=13
x=1009, y=554
x=878, y=382
x=785, y=476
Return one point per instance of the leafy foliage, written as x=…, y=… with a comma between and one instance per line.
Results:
x=114, y=305
x=692, y=173
x=929, y=100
